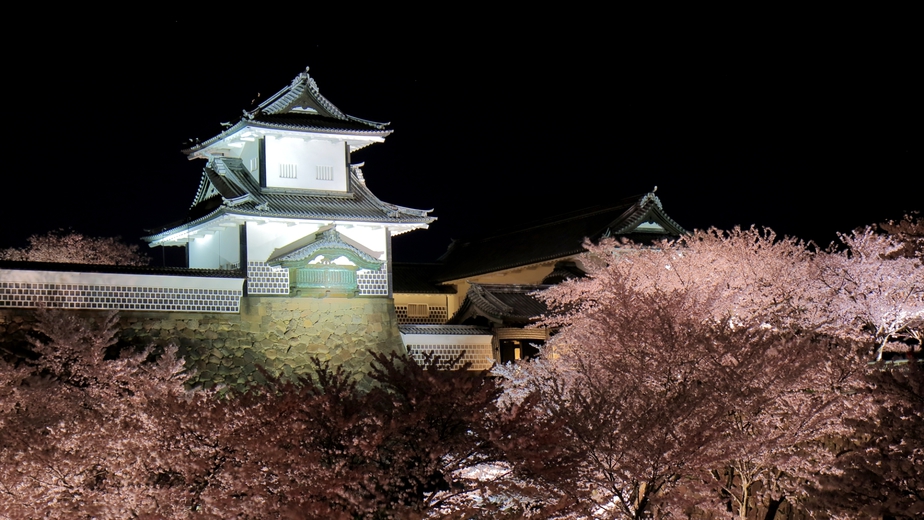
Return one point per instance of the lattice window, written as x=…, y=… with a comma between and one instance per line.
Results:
x=79, y=296
x=435, y=316
x=325, y=173
x=480, y=356
x=266, y=279
x=288, y=171
x=372, y=283
x=254, y=164
x=418, y=310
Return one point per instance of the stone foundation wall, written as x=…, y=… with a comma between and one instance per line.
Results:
x=279, y=334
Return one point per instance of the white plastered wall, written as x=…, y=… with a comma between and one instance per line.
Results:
x=250, y=156
x=293, y=162
x=264, y=238
x=216, y=250
x=477, y=348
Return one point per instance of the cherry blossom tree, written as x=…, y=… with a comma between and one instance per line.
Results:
x=713, y=374
x=75, y=248
x=881, y=472
x=909, y=233
x=748, y=275
x=672, y=411
x=782, y=412
x=864, y=290
x=89, y=434
x=90, y=429
x=775, y=345
x=324, y=449
x=631, y=402
x=877, y=293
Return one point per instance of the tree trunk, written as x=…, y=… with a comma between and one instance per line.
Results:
x=743, y=505
x=773, y=507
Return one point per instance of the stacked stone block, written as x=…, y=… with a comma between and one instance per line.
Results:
x=281, y=335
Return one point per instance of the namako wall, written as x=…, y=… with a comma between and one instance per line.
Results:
x=280, y=334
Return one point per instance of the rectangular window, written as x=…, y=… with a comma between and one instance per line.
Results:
x=288, y=171
x=325, y=173
x=418, y=310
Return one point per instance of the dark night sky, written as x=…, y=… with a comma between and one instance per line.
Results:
x=805, y=132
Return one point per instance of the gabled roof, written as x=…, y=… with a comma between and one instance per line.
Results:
x=302, y=96
x=299, y=106
x=640, y=218
x=326, y=242
x=241, y=195
x=501, y=303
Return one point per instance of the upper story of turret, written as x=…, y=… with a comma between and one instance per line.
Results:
x=295, y=140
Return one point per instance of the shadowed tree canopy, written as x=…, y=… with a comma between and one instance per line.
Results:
x=74, y=248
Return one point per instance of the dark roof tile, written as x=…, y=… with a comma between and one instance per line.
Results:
x=455, y=330
x=299, y=106
x=411, y=278
x=501, y=303
x=555, y=238
x=360, y=205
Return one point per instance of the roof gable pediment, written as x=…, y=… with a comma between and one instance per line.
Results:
x=645, y=216
x=639, y=218
x=326, y=244
x=300, y=96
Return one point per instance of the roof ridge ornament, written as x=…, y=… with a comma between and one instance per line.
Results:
x=358, y=171
x=301, y=76
x=651, y=197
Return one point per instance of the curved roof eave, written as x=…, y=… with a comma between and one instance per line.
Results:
x=318, y=129
x=217, y=212
x=226, y=210
x=349, y=218
x=245, y=123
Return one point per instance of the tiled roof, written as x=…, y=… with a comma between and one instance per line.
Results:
x=299, y=106
x=562, y=271
x=456, y=330
x=360, y=205
x=315, y=122
x=418, y=279
x=501, y=303
x=225, y=187
x=120, y=269
x=558, y=238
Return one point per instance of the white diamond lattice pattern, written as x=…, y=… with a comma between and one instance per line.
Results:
x=266, y=279
x=478, y=355
x=438, y=316
x=76, y=296
x=372, y=283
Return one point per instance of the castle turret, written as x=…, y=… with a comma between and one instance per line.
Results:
x=278, y=176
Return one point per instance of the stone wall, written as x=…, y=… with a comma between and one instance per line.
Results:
x=279, y=334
